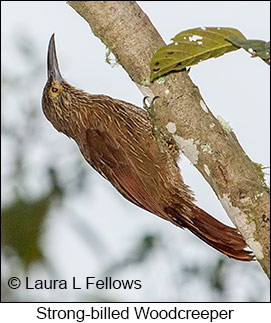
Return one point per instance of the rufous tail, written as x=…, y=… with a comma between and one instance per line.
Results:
x=218, y=235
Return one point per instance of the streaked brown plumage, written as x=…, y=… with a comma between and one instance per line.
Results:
x=116, y=139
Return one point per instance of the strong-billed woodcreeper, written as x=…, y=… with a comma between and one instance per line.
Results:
x=116, y=138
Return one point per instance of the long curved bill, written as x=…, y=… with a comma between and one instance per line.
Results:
x=52, y=64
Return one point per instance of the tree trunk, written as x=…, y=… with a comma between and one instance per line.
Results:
x=181, y=112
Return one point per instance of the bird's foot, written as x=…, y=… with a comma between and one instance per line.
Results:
x=151, y=116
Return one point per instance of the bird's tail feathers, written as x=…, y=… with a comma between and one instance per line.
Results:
x=218, y=235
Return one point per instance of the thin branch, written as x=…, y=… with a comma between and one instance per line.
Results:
x=208, y=143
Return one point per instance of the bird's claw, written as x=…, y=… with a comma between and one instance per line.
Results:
x=151, y=116
x=149, y=108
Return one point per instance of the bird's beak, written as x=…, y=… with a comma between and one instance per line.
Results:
x=52, y=64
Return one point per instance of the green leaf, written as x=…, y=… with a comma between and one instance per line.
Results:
x=254, y=47
x=191, y=47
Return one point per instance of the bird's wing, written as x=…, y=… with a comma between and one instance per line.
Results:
x=109, y=158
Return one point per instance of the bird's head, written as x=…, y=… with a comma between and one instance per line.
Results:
x=60, y=100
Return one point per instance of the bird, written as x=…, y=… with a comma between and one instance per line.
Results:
x=117, y=139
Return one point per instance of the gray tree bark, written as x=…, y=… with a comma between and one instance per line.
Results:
x=181, y=112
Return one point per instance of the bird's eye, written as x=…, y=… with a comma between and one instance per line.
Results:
x=55, y=89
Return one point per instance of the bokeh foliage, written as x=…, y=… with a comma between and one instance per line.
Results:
x=25, y=209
